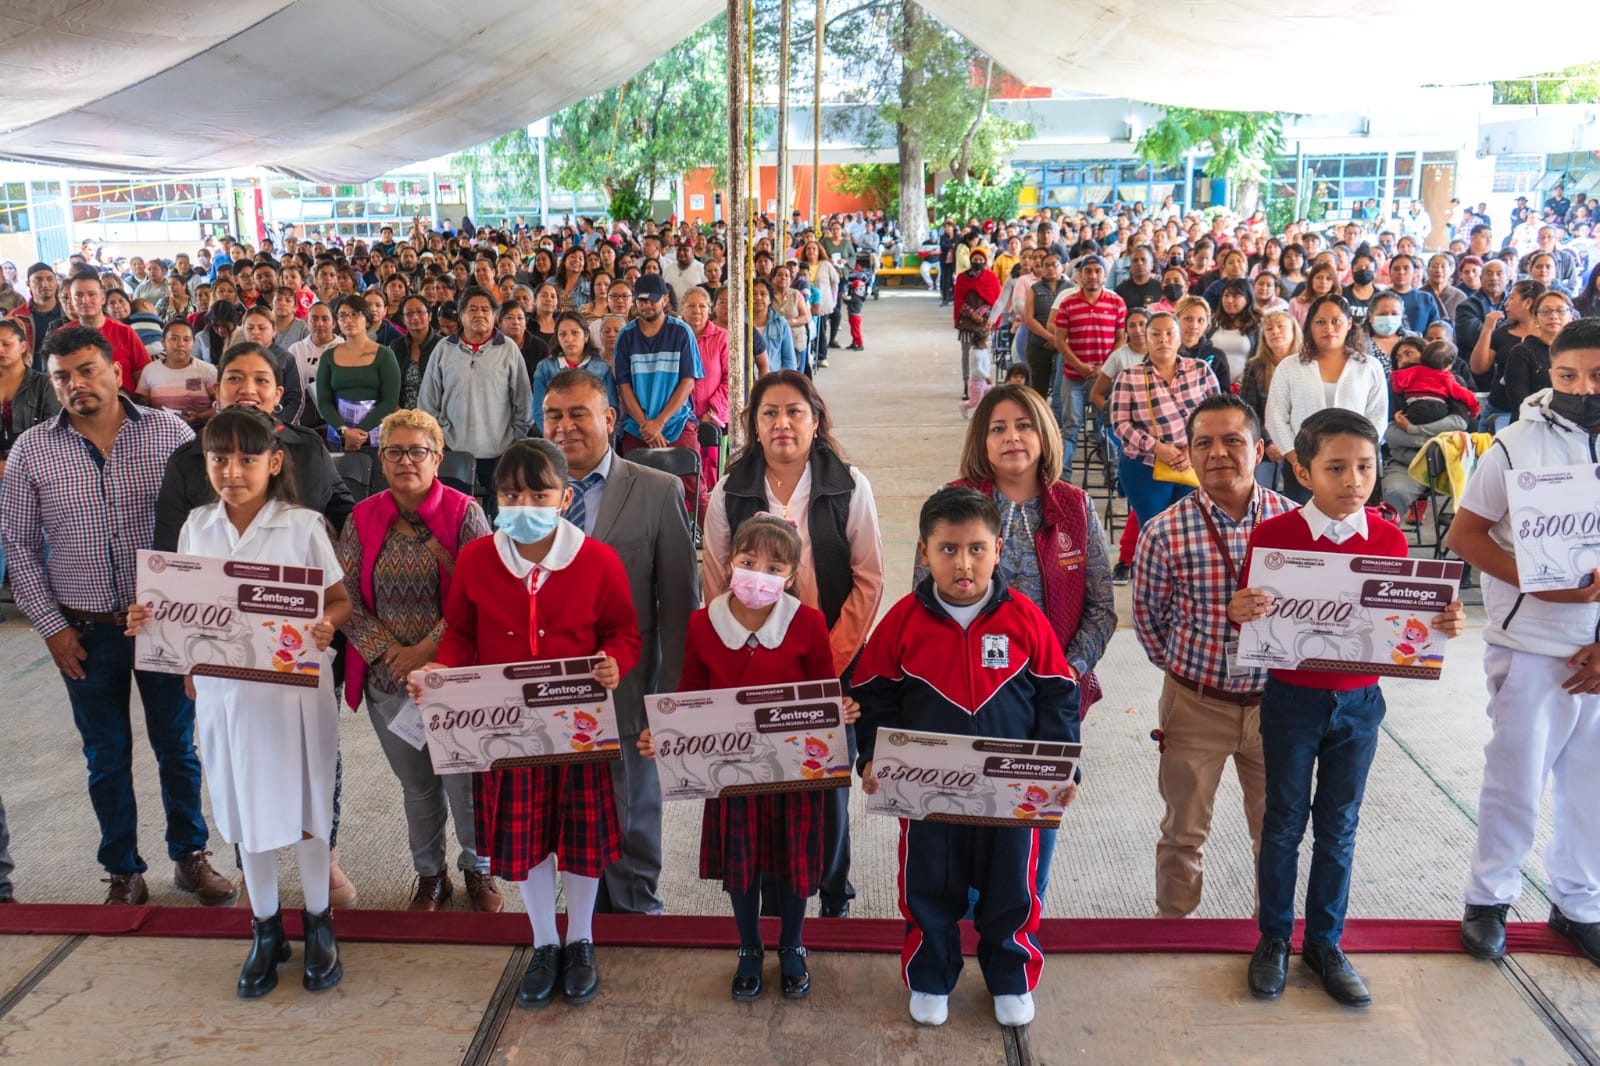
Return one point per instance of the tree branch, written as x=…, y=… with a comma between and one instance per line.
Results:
x=872, y=5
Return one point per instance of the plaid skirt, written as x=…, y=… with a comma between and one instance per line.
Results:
x=743, y=837
x=523, y=814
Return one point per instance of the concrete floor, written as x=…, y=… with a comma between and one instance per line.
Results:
x=896, y=411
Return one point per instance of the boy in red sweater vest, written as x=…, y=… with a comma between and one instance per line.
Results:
x=1319, y=723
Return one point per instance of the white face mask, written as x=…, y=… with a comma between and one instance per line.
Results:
x=756, y=590
x=1386, y=325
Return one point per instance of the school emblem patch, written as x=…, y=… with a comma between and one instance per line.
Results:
x=996, y=651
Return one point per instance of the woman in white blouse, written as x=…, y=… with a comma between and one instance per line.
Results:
x=1333, y=370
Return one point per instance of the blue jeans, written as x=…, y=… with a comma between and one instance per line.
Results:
x=1332, y=736
x=1147, y=497
x=1073, y=395
x=101, y=711
x=1267, y=474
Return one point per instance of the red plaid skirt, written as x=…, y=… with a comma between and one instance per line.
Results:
x=743, y=837
x=523, y=814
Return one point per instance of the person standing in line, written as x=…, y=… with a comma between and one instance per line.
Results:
x=638, y=512
x=77, y=502
x=1091, y=324
x=270, y=750
x=657, y=365
x=1187, y=569
x=1543, y=665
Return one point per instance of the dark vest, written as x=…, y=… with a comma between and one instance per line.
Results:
x=832, y=486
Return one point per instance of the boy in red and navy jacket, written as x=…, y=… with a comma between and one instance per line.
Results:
x=1317, y=722
x=962, y=655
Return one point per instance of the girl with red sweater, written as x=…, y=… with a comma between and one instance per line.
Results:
x=757, y=634
x=539, y=589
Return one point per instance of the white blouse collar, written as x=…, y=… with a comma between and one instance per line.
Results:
x=734, y=635
x=563, y=549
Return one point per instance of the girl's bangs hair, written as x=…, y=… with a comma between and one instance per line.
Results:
x=770, y=534
x=240, y=429
x=531, y=465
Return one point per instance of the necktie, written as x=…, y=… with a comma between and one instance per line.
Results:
x=578, y=512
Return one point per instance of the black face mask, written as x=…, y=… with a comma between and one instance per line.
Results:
x=1362, y=277
x=1173, y=293
x=1580, y=410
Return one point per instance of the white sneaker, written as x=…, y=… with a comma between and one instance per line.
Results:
x=929, y=1009
x=1014, y=1010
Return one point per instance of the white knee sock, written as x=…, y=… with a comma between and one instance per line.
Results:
x=315, y=862
x=261, y=880
x=581, y=893
x=539, y=896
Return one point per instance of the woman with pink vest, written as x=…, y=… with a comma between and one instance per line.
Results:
x=398, y=551
x=1052, y=545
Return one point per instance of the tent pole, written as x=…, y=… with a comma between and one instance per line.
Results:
x=816, y=129
x=737, y=212
x=782, y=176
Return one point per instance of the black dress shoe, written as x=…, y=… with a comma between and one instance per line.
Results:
x=1269, y=968
x=1339, y=978
x=747, y=979
x=1584, y=934
x=539, y=982
x=580, y=975
x=796, y=978
x=1483, y=930
x=268, y=949
x=323, y=968
x=840, y=910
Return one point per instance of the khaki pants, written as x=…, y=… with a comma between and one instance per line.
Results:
x=1199, y=735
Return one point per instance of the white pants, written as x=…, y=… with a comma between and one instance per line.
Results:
x=1540, y=732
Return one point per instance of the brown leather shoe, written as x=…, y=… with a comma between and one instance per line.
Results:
x=129, y=889
x=483, y=892
x=193, y=873
x=433, y=891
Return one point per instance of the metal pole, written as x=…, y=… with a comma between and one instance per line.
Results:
x=816, y=130
x=781, y=175
x=544, y=185
x=737, y=211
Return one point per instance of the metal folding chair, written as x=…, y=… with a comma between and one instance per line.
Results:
x=459, y=470
x=356, y=469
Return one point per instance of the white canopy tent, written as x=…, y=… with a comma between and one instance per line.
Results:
x=343, y=90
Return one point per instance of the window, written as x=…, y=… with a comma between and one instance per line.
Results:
x=1516, y=174
x=13, y=207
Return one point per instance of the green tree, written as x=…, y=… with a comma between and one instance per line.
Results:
x=670, y=117
x=1575, y=85
x=1241, y=145
x=504, y=171
x=877, y=183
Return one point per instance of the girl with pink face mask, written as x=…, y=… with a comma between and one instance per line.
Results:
x=757, y=634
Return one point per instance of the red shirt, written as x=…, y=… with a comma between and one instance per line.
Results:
x=1091, y=327
x=127, y=350
x=1290, y=531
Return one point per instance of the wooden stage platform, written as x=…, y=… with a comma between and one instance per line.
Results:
x=141, y=995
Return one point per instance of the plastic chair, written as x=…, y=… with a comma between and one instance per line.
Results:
x=459, y=470
x=712, y=435
x=356, y=469
x=680, y=463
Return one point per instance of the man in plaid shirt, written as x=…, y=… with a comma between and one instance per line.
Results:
x=84, y=484
x=1188, y=565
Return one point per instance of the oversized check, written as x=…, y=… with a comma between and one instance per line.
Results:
x=1353, y=614
x=1555, y=525
x=937, y=777
x=228, y=618
x=747, y=741
x=517, y=714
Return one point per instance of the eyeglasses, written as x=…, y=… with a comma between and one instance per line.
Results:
x=417, y=454
x=1554, y=312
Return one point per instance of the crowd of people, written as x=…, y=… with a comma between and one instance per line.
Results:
x=198, y=406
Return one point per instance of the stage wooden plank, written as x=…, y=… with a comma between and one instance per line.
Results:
x=1196, y=1009
x=20, y=954
x=1573, y=986
x=660, y=1008
x=140, y=999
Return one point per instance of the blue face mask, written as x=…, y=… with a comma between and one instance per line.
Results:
x=527, y=525
x=1386, y=325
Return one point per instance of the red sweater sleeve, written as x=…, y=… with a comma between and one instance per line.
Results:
x=819, y=652
x=616, y=623
x=459, y=645
x=696, y=675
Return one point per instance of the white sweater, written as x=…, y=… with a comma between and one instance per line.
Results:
x=1297, y=394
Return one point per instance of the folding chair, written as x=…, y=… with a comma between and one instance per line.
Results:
x=1441, y=506
x=356, y=469
x=459, y=470
x=680, y=463
x=712, y=435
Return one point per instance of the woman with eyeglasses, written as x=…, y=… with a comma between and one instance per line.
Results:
x=358, y=381
x=1528, y=365
x=398, y=554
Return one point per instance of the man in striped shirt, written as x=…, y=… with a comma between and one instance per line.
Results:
x=1188, y=566
x=85, y=484
x=1090, y=325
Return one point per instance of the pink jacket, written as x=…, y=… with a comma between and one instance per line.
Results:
x=711, y=391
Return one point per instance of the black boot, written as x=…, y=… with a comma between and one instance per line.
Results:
x=796, y=978
x=269, y=948
x=323, y=968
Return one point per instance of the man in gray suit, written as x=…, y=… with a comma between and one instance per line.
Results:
x=639, y=513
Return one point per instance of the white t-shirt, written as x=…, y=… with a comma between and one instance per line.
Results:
x=185, y=391
x=1124, y=358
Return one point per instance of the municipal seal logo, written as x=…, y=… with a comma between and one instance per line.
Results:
x=666, y=705
x=1526, y=479
x=897, y=739
x=157, y=564
x=433, y=680
x=1273, y=561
